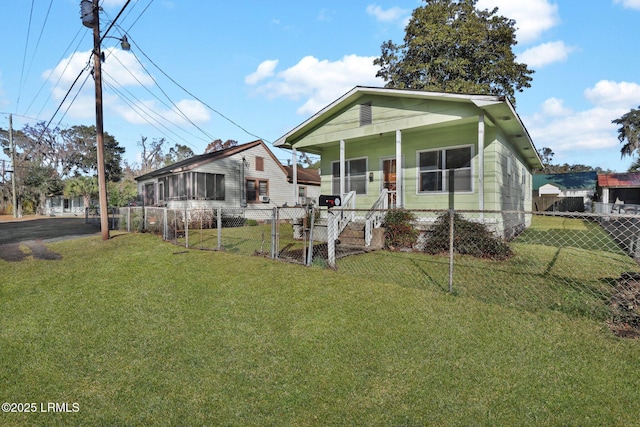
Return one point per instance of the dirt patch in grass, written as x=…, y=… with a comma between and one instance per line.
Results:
x=13, y=252
x=625, y=306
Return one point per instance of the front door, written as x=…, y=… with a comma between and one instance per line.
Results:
x=389, y=180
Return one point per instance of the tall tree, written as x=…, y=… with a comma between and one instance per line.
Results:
x=80, y=143
x=629, y=131
x=218, y=145
x=178, y=153
x=450, y=46
x=152, y=153
x=546, y=155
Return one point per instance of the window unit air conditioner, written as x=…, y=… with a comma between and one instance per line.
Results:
x=264, y=199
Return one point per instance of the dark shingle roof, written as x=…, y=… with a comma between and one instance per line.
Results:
x=194, y=161
x=566, y=181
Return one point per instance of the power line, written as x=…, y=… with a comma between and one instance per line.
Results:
x=196, y=98
x=24, y=57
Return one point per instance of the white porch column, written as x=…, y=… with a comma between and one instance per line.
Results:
x=294, y=161
x=342, y=168
x=399, y=171
x=481, y=162
x=605, y=195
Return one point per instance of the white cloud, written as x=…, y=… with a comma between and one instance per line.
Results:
x=120, y=69
x=533, y=17
x=587, y=136
x=612, y=94
x=265, y=70
x=545, y=54
x=394, y=14
x=629, y=4
x=321, y=82
x=555, y=107
x=573, y=132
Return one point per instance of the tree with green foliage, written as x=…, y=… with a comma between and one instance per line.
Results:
x=81, y=143
x=629, y=131
x=450, y=46
x=218, y=145
x=178, y=153
x=82, y=186
x=121, y=193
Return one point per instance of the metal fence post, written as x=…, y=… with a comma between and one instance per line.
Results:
x=274, y=245
x=165, y=226
x=186, y=227
x=451, y=238
x=219, y=226
x=332, y=225
x=312, y=210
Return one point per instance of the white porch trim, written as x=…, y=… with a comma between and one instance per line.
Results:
x=399, y=171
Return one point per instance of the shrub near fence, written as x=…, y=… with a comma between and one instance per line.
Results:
x=568, y=262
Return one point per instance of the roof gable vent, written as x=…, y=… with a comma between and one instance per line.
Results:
x=365, y=114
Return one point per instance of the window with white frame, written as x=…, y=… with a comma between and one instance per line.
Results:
x=355, y=176
x=439, y=169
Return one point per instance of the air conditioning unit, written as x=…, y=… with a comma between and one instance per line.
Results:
x=264, y=199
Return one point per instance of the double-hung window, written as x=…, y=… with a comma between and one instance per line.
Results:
x=440, y=169
x=355, y=179
x=257, y=188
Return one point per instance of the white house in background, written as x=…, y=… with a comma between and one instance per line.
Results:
x=564, y=191
x=67, y=206
x=244, y=176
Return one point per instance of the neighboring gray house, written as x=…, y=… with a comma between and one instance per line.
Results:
x=247, y=175
x=564, y=191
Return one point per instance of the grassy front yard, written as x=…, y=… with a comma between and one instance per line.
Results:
x=140, y=332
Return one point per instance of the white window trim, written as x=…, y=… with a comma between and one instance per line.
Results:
x=445, y=183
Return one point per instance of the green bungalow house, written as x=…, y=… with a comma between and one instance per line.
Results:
x=463, y=152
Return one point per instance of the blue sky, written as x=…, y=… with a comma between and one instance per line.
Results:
x=258, y=69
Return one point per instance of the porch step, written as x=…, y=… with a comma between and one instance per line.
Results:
x=353, y=235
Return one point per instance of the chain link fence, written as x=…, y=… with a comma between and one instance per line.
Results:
x=577, y=263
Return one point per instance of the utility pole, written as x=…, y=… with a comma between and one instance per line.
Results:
x=14, y=199
x=97, y=75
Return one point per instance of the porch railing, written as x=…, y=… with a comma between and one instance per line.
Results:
x=337, y=221
x=375, y=217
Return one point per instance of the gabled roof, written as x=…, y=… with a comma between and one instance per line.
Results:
x=305, y=176
x=497, y=110
x=195, y=161
x=567, y=181
x=619, y=180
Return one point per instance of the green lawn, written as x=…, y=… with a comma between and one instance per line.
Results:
x=560, y=264
x=141, y=332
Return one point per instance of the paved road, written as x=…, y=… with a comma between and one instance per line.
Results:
x=44, y=229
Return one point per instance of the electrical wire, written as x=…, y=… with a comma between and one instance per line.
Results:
x=24, y=57
x=195, y=97
x=35, y=50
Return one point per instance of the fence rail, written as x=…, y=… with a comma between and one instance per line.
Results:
x=576, y=263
